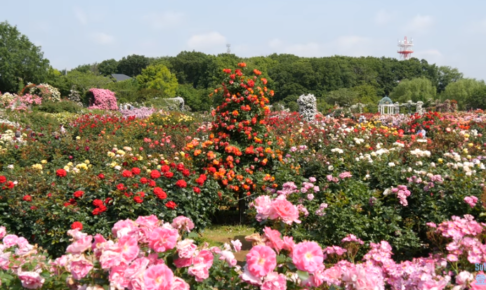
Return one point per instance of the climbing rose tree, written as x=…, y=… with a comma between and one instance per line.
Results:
x=102, y=99
x=240, y=151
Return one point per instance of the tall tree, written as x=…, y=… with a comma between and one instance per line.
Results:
x=108, y=67
x=446, y=76
x=132, y=65
x=158, y=77
x=461, y=91
x=417, y=89
x=20, y=60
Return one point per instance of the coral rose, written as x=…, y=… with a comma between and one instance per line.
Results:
x=261, y=260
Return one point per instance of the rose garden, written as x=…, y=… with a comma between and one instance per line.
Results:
x=102, y=198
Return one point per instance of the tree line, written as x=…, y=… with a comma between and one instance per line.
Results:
x=192, y=75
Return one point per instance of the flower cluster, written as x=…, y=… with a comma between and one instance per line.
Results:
x=103, y=99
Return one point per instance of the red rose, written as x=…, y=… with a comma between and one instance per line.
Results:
x=102, y=208
x=61, y=173
x=77, y=225
x=200, y=181
x=141, y=193
x=97, y=202
x=101, y=176
x=108, y=200
x=172, y=165
x=78, y=194
x=138, y=199
x=49, y=194
x=126, y=173
x=186, y=172
x=152, y=183
x=66, y=204
x=3, y=179
x=180, y=167
x=197, y=190
x=136, y=171
x=120, y=186
x=171, y=205
x=143, y=180
x=154, y=174
x=96, y=211
x=165, y=168
x=169, y=174
x=27, y=198
x=181, y=183
x=10, y=184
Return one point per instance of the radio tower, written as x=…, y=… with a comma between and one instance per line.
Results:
x=228, y=48
x=405, y=48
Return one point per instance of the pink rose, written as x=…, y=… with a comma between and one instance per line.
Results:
x=179, y=284
x=136, y=268
x=236, y=245
x=186, y=248
x=288, y=244
x=10, y=240
x=273, y=239
x=274, y=281
x=80, y=245
x=201, y=265
x=163, y=239
x=31, y=280
x=471, y=200
x=261, y=260
x=150, y=221
x=80, y=267
x=158, y=277
x=183, y=223
x=3, y=232
x=285, y=210
x=117, y=277
x=129, y=248
x=229, y=257
x=124, y=228
x=307, y=256
x=264, y=208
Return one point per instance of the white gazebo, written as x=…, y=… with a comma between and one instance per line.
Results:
x=387, y=107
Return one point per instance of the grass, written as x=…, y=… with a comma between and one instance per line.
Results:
x=217, y=235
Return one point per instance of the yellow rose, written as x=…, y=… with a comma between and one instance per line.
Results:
x=470, y=144
x=77, y=138
x=440, y=160
x=44, y=161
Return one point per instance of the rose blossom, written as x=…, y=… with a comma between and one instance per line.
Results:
x=80, y=267
x=186, y=248
x=307, y=256
x=163, y=239
x=183, y=223
x=273, y=239
x=285, y=210
x=31, y=280
x=158, y=277
x=274, y=281
x=261, y=260
x=201, y=264
x=236, y=245
x=471, y=200
x=179, y=284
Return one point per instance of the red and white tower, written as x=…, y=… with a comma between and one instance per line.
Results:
x=405, y=48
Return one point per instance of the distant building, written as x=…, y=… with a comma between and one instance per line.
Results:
x=120, y=77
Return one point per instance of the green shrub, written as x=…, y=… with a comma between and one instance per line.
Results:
x=59, y=107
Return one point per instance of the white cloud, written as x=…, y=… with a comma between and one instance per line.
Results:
x=164, y=20
x=80, y=15
x=431, y=55
x=420, y=24
x=275, y=43
x=102, y=38
x=383, y=17
x=207, y=42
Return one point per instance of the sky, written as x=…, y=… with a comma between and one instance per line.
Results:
x=71, y=33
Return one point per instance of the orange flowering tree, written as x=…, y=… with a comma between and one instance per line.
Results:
x=241, y=151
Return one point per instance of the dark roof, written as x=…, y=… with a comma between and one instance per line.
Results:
x=120, y=77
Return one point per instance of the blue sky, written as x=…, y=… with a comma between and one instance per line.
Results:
x=71, y=33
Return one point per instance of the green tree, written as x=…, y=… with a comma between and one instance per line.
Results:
x=447, y=75
x=132, y=65
x=108, y=67
x=82, y=82
x=343, y=97
x=461, y=91
x=160, y=78
x=477, y=100
x=20, y=60
x=57, y=79
x=417, y=89
x=366, y=94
